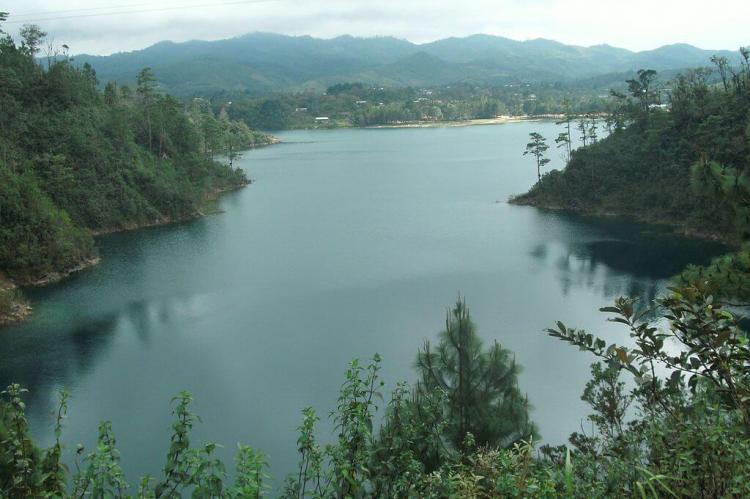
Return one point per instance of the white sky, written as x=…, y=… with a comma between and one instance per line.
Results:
x=632, y=24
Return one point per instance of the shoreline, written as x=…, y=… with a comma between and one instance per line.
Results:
x=499, y=120
x=16, y=308
x=272, y=140
x=13, y=307
x=678, y=228
x=210, y=198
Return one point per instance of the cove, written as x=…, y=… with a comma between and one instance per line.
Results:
x=350, y=242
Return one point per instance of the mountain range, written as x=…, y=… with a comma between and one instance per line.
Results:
x=261, y=63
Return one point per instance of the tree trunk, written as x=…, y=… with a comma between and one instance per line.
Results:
x=538, y=170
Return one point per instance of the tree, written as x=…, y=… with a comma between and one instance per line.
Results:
x=583, y=127
x=145, y=88
x=31, y=37
x=234, y=137
x=616, y=118
x=722, y=64
x=111, y=93
x=483, y=405
x=593, y=127
x=564, y=139
x=642, y=88
x=537, y=148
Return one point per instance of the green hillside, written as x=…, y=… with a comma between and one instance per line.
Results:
x=652, y=164
x=75, y=161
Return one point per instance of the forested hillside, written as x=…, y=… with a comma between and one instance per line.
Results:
x=666, y=163
x=75, y=161
x=263, y=63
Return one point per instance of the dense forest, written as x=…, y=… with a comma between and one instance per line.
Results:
x=76, y=161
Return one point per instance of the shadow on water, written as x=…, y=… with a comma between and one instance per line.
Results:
x=55, y=363
x=70, y=333
x=635, y=259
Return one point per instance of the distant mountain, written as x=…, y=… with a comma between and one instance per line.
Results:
x=261, y=63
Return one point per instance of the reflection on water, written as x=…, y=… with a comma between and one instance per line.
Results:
x=616, y=256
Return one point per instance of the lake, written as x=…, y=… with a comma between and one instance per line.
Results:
x=350, y=242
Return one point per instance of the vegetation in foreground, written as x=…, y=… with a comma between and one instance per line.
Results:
x=463, y=430
x=75, y=161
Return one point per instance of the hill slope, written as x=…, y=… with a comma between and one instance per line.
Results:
x=75, y=161
x=687, y=167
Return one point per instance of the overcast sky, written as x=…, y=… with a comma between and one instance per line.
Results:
x=632, y=24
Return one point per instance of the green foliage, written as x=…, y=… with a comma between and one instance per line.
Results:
x=75, y=161
x=309, y=480
x=538, y=148
x=663, y=438
x=727, y=277
x=691, y=394
x=480, y=388
x=683, y=163
x=102, y=476
x=251, y=475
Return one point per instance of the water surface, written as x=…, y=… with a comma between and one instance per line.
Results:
x=350, y=242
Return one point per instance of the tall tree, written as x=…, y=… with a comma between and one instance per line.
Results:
x=643, y=89
x=537, y=148
x=145, y=89
x=583, y=128
x=480, y=387
x=564, y=138
x=593, y=129
x=722, y=64
x=31, y=37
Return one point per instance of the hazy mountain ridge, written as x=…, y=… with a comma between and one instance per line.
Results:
x=259, y=63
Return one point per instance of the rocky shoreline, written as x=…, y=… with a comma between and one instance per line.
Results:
x=13, y=308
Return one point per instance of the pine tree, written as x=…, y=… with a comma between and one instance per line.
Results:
x=483, y=405
x=564, y=139
x=537, y=148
